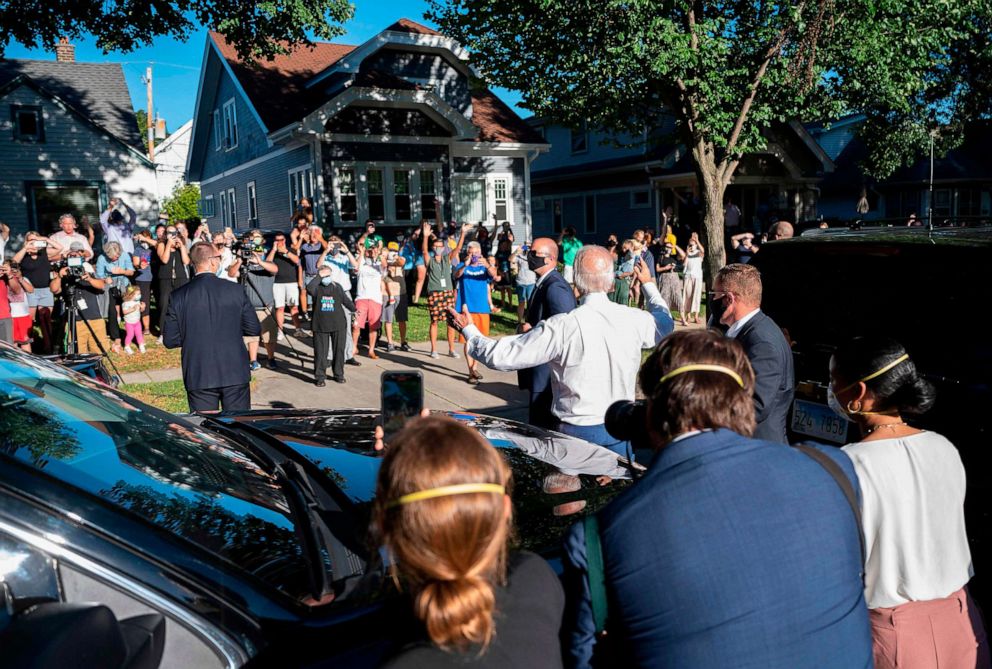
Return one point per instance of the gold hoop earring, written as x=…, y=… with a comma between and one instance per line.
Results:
x=854, y=409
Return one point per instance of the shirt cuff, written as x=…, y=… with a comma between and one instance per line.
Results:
x=470, y=331
x=648, y=288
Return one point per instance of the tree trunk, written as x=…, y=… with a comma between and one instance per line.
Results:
x=711, y=189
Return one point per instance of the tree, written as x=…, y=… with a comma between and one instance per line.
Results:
x=726, y=70
x=141, y=116
x=254, y=28
x=183, y=204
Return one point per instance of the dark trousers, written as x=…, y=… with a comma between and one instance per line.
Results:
x=113, y=323
x=540, y=414
x=227, y=398
x=165, y=288
x=322, y=342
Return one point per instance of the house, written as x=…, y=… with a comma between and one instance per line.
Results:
x=601, y=184
x=396, y=129
x=170, y=160
x=962, y=179
x=68, y=143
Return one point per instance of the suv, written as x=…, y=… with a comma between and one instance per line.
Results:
x=917, y=286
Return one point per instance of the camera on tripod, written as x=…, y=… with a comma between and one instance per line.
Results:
x=244, y=250
x=75, y=265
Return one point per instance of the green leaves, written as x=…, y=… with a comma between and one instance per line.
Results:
x=255, y=28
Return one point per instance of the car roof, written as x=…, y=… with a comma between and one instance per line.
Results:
x=964, y=236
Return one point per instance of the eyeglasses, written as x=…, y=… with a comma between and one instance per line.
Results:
x=535, y=254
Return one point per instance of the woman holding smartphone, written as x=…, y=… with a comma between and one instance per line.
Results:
x=443, y=512
x=34, y=260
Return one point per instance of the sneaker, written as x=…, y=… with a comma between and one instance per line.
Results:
x=341, y=380
x=435, y=355
x=390, y=348
x=280, y=336
x=160, y=339
x=254, y=366
x=405, y=347
x=271, y=363
x=453, y=354
x=141, y=348
x=319, y=383
x=129, y=350
x=300, y=334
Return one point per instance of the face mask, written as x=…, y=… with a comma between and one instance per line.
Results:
x=835, y=404
x=326, y=280
x=535, y=262
x=145, y=245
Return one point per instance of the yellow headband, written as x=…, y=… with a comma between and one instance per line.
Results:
x=446, y=490
x=883, y=370
x=701, y=368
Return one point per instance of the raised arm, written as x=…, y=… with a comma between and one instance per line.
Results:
x=425, y=236
x=664, y=324
x=461, y=239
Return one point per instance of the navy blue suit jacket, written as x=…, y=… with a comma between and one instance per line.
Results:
x=208, y=317
x=553, y=296
x=774, y=377
x=729, y=552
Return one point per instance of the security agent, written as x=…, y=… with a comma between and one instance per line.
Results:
x=208, y=318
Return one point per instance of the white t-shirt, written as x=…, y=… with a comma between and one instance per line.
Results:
x=525, y=275
x=369, y=282
x=226, y=260
x=912, y=510
x=340, y=269
x=133, y=316
x=18, y=304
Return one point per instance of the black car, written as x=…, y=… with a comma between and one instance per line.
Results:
x=924, y=289
x=130, y=537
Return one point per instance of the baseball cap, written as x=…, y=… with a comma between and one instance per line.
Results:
x=77, y=246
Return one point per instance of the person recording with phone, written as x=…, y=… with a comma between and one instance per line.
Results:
x=79, y=274
x=172, y=270
x=116, y=228
x=35, y=259
x=330, y=319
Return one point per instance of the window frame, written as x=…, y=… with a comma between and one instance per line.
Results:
x=306, y=186
x=584, y=130
x=207, y=207
x=39, y=116
x=232, y=205
x=218, y=132
x=252, y=204
x=633, y=202
x=389, y=168
x=230, y=129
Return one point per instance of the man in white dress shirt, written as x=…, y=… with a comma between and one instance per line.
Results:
x=594, y=351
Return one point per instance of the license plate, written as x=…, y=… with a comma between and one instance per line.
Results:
x=818, y=421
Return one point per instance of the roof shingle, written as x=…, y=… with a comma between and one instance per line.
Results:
x=96, y=90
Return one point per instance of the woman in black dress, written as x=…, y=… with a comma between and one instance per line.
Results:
x=443, y=511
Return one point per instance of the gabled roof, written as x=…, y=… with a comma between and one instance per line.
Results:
x=96, y=90
x=277, y=88
x=171, y=139
x=278, y=92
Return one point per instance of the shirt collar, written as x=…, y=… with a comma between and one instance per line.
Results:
x=689, y=445
x=541, y=278
x=735, y=329
x=594, y=298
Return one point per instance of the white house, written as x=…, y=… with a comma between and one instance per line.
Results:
x=170, y=159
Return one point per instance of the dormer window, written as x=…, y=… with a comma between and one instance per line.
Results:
x=28, y=123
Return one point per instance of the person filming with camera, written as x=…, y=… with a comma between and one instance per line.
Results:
x=76, y=281
x=258, y=278
x=208, y=318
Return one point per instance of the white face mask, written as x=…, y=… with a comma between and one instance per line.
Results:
x=835, y=404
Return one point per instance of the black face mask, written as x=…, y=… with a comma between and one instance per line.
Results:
x=535, y=262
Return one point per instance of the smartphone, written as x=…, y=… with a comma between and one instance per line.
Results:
x=39, y=244
x=402, y=399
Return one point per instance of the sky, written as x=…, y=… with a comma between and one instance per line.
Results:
x=176, y=65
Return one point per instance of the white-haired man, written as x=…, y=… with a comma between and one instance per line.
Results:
x=594, y=351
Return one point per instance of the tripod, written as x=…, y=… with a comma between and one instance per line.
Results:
x=72, y=317
x=244, y=279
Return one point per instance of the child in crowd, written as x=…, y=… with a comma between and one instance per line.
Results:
x=132, y=306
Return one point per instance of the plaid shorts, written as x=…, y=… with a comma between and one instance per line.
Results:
x=438, y=303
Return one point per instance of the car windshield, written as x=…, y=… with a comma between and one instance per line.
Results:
x=177, y=476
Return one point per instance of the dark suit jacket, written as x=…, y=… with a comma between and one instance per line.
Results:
x=775, y=379
x=208, y=317
x=729, y=552
x=552, y=296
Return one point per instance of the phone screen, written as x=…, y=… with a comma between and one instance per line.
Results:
x=402, y=399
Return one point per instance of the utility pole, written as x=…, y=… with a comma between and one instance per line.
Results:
x=930, y=208
x=151, y=115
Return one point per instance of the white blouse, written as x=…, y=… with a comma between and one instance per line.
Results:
x=912, y=492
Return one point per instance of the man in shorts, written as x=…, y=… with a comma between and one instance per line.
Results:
x=259, y=281
x=368, y=296
x=475, y=277
x=286, y=289
x=440, y=291
x=395, y=310
x=526, y=280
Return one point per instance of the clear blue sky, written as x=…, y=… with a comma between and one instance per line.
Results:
x=177, y=64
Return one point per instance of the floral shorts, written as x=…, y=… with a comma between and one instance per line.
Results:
x=438, y=303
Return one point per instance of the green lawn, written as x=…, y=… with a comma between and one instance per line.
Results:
x=419, y=322
x=165, y=395
x=156, y=356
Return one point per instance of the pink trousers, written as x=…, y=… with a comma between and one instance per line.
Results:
x=938, y=634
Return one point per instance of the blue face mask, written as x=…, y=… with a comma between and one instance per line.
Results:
x=326, y=280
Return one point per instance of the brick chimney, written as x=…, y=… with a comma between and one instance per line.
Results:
x=65, y=52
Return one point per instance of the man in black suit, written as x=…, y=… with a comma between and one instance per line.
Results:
x=208, y=317
x=552, y=295
x=738, y=289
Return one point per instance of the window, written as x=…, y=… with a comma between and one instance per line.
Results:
x=28, y=123
x=470, y=200
x=230, y=125
x=218, y=132
x=252, y=206
x=500, y=200
x=207, y=207
x=580, y=140
x=640, y=199
x=300, y=186
x=232, y=209
x=51, y=200
x=537, y=204
x=590, y=213
x=223, y=207
x=428, y=195
x=376, y=194
x=348, y=205
x=969, y=202
x=556, y=215
x=401, y=194
x=942, y=202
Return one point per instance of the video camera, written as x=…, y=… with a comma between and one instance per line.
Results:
x=75, y=265
x=244, y=250
x=627, y=421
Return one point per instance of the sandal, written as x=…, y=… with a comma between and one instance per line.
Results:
x=476, y=375
x=473, y=381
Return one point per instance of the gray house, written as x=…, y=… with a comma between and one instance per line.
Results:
x=68, y=142
x=396, y=129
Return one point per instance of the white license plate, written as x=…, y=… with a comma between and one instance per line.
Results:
x=818, y=421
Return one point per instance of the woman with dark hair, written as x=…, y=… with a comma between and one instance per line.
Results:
x=912, y=487
x=443, y=511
